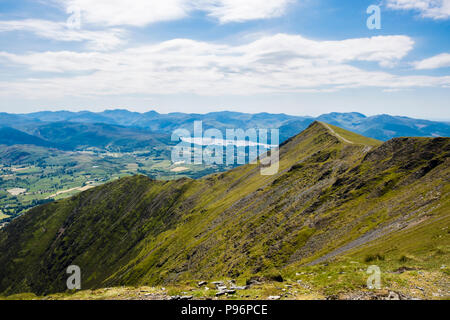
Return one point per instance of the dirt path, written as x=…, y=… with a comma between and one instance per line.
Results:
x=334, y=133
x=70, y=190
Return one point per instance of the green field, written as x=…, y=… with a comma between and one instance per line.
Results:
x=49, y=174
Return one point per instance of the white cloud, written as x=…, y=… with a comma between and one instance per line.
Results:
x=436, y=62
x=435, y=9
x=270, y=64
x=238, y=10
x=97, y=40
x=126, y=12
x=110, y=13
x=144, y=12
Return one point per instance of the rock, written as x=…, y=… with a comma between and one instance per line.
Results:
x=186, y=297
x=393, y=296
x=218, y=284
x=304, y=285
x=221, y=288
x=174, y=298
x=443, y=266
x=403, y=269
x=254, y=281
x=224, y=291
x=239, y=288
x=274, y=298
x=202, y=283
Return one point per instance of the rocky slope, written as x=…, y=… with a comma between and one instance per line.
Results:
x=336, y=194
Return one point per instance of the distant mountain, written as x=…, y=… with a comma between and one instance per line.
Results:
x=70, y=136
x=382, y=127
x=29, y=154
x=164, y=122
x=10, y=136
x=17, y=121
x=385, y=127
x=336, y=194
x=130, y=130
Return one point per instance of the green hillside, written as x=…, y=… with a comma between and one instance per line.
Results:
x=337, y=196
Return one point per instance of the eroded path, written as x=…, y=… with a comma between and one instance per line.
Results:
x=334, y=133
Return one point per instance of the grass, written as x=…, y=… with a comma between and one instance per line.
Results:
x=59, y=171
x=3, y=216
x=356, y=138
x=241, y=225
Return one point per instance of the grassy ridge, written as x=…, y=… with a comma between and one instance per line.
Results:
x=330, y=199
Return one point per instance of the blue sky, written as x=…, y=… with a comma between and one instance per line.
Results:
x=302, y=57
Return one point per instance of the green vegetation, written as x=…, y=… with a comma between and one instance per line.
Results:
x=50, y=174
x=335, y=207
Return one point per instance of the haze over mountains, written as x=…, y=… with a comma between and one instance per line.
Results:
x=131, y=130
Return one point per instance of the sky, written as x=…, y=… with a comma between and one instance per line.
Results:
x=299, y=57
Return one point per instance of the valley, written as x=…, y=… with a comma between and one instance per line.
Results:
x=47, y=156
x=31, y=175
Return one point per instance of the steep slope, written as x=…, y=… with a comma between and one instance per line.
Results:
x=335, y=192
x=10, y=137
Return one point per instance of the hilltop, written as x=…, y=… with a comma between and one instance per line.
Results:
x=338, y=196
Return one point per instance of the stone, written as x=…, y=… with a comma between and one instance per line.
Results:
x=239, y=287
x=274, y=298
x=218, y=284
x=393, y=296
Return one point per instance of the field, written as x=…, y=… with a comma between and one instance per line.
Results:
x=44, y=175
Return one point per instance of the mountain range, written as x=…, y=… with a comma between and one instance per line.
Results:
x=337, y=195
x=122, y=129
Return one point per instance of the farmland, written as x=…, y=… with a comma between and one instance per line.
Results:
x=45, y=175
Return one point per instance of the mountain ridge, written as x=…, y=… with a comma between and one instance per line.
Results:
x=381, y=127
x=137, y=231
